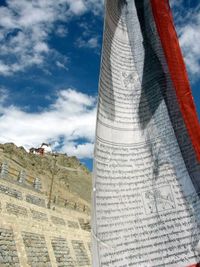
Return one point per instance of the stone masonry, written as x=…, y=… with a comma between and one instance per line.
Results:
x=36, y=250
x=62, y=252
x=81, y=254
x=33, y=236
x=8, y=252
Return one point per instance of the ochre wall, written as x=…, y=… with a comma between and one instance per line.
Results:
x=32, y=235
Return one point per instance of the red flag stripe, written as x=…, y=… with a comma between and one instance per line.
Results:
x=169, y=40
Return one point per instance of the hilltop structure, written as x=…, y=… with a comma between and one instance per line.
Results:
x=44, y=148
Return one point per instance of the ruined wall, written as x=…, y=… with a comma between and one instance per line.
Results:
x=32, y=235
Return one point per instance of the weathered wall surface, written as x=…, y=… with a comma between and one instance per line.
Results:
x=32, y=235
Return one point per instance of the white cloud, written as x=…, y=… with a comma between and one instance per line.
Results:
x=89, y=38
x=71, y=117
x=174, y=3
x=187, y=20
x=89, y=43
x=77, y=7
x=93, y=42
x=79, y=150
x=4, y=69
x=95, y=5
x=3, y=96
x=41, y=47
x=61, y=31
x=25, y=27
x=190, y=43
x=61, y=65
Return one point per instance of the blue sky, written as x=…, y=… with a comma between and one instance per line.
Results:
x=49, y=68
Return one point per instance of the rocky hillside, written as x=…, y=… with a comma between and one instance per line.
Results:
x=72, y=180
